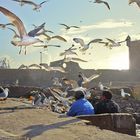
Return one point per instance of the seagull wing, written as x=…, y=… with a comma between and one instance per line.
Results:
x=43, y=2
x=29, y=2
x=64, y=25
x=110, y=40
x=59, y=37
x=22, y=66
x=16, y=35
x=36, y=30
x=94, y=76
x=106, y=4
x=35, y=65
x=78, y=59
x=79, y=40
x=75, y=26
x=15, y=20
x=94, y=41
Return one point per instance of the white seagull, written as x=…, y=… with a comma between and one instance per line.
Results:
x=36, y=6
x=135, y=1
x=68, y=27
x=83, y=45
x=69, y=51
x=104, y=2
x=26, y=39
x=3, y=93
x=124, y=94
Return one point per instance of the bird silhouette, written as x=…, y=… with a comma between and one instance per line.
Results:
x=104, y=2
x=68, y=27
x=88, y=79
x=111, y=43
x=36, y=6
x=26, y=39
x=3, y=93
x=68, y=51
x=83, y=45
x=135, y=1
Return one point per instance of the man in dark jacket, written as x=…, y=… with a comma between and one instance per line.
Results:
x=106, y=105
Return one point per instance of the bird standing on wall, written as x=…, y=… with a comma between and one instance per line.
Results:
x=124, y=94
x=3, y=93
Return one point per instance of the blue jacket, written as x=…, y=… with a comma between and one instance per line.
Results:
x=81, y=107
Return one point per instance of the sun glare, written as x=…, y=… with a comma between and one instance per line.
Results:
x=119, y=61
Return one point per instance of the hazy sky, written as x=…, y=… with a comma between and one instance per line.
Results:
x=94, y=20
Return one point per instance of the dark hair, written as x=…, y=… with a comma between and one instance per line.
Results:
x=107, y=94
x=79, y=94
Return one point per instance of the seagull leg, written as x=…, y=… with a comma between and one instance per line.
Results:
x=20, y=49
x=25, y=50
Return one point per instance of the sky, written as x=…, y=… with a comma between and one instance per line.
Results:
x=95, y=21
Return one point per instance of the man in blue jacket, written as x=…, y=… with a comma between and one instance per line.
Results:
x=81, y=106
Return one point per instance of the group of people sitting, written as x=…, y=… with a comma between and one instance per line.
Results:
x=82, y=106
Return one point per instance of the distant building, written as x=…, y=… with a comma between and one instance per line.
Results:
x=134, y=54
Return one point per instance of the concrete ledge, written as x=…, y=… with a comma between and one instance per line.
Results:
x=118, y=122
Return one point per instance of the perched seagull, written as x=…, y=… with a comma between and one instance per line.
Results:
x=26, y=39
x=69, y=51
x=68, y=27
x=3, y=93
x=36, y=6
x=100, y=1
x=83, y=45
x=136, y=1
x=3, y=26
x=88, y=79
x=111, y=43
x=124, y=94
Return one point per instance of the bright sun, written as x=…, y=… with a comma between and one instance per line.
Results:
x=120, y=61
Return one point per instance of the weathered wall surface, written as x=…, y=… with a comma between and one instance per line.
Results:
x=40, y=77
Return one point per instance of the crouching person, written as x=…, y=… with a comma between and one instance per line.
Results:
x=81, y=106
x=106, y=104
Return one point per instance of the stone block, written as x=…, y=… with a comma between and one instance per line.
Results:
x=118, y=122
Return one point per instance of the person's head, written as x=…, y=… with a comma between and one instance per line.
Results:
x=106, y=94
x=79, y=94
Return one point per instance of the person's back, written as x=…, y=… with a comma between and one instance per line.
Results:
x=106, y=105
x=81, y=106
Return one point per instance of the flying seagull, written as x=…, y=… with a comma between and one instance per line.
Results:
x=68, y=27
x=136, y=1
x=111, y=43
x=69, y=51
x=83, y=45
x=21, y=1
x=3, y=93
x=26, y=39
x=36, y=6
x=104, y=2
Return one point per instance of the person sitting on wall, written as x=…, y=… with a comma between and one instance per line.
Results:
x=106, y=104
x=81, y=106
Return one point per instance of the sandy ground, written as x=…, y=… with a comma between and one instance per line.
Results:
x=41, y=124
